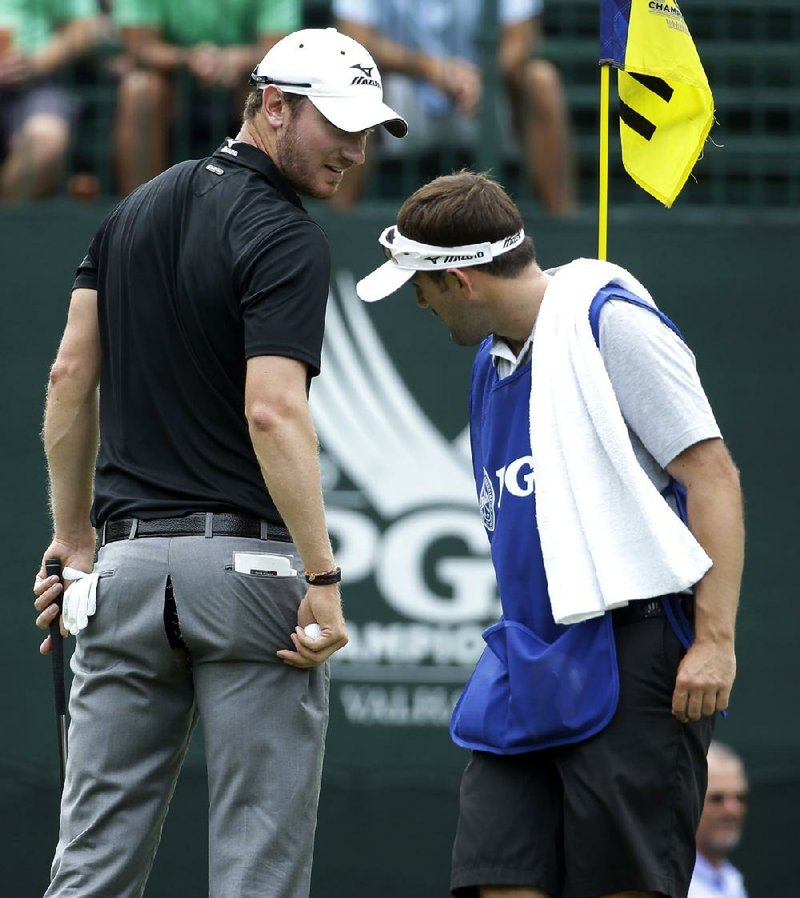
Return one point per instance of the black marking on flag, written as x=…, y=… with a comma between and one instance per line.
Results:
x=638, y=123
x=657, y=85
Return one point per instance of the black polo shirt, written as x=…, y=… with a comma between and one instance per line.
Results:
x=211, y=263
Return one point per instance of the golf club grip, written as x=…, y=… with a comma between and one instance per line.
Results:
x=52, y=567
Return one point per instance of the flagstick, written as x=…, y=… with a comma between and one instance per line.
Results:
x=602, y=218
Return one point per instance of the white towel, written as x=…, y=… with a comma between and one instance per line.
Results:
x=608, y=537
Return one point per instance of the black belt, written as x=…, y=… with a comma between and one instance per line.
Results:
x=646, y=608
x=197, y=524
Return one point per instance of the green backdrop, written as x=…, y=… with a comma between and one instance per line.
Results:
x=399, y=500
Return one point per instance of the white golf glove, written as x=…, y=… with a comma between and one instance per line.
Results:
x=80, y=599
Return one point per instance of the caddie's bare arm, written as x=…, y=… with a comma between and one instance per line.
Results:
x=70, y=436
x=285, y=443
x=714, y=508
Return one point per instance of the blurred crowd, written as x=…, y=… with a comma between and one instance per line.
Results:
x=179, y=71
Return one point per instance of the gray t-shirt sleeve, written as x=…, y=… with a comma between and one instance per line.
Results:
x=654, y=376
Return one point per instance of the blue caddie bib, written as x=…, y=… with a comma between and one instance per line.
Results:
x=537, y=684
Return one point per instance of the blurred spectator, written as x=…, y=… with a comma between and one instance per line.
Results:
x=37, y=115
x=218, y=42
x=720, y=827
x=432, y=47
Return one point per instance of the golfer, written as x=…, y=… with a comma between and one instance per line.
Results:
x=613, y=512
x=199, y=311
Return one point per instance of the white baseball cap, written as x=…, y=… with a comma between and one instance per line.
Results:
x=336, y=73
x=407, y=257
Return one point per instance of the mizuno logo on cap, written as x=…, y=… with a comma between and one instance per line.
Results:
x=366, y=77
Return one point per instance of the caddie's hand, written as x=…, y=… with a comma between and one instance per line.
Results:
x=705, y=678
x=321, y=605
x=79, y=556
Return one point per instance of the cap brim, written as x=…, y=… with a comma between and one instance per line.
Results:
x=383, y=281
x=356, y=115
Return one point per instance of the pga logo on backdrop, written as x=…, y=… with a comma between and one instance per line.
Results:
x=407, y=527
x=396, y=488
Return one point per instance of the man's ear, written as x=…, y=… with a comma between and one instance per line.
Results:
x=273, y=105
x=465, y=280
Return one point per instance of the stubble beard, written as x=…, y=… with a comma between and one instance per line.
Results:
x=470, y=332
x=295, y=167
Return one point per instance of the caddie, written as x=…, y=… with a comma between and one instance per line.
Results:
x=614, y=515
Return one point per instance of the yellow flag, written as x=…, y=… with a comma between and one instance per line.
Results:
x=666, y=106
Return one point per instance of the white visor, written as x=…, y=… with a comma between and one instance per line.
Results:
x=406, y=257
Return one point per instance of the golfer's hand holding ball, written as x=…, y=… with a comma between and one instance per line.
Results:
x=320, y=630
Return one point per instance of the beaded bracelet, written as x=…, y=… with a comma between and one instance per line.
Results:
x=324, y=578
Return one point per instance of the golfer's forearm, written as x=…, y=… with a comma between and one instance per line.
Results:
x=70, y=438
x=286, y=448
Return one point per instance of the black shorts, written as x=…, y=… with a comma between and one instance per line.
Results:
x=615, y=813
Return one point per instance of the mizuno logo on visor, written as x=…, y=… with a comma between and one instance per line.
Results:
x=409, y=254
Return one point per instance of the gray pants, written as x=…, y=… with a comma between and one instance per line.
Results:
x=135, y=701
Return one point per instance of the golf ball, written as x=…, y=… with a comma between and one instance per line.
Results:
x=313, y=631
